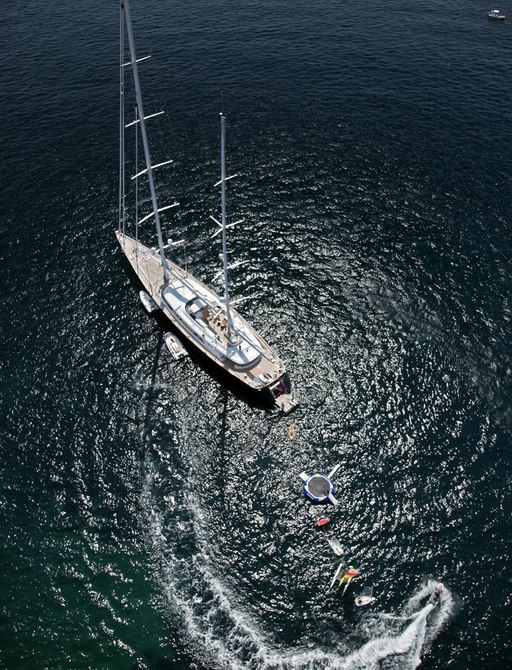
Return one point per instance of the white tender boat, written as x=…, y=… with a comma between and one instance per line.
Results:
x=496, y=15
x=149, y=304
x=175, y=346
x=201, y=316
x=365, y=597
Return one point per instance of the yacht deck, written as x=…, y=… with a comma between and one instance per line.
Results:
x=209, y=332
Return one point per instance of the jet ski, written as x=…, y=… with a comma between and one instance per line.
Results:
x=436, y=594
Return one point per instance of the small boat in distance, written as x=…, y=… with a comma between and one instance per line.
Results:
x=173, y=343
x=496, y=15
x=202, y=317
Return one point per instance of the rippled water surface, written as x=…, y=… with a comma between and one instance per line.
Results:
x=154, y=518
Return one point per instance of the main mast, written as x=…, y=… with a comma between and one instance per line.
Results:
x=125, y=7
x=122, y=183
x=231, y=330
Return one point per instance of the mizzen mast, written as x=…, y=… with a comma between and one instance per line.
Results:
x=233, y=335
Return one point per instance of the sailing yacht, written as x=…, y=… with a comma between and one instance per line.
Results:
x=201, y=317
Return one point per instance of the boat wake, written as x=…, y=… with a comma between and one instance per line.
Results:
x=220, y=633
x=398, y=642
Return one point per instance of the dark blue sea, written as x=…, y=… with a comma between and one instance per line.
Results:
x=152, y=515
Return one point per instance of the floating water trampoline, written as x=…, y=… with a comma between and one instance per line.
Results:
x=318, y=487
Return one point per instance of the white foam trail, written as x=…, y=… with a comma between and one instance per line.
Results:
x=403, y=651
x=225, y=636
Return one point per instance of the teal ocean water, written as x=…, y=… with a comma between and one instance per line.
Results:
x=153, y=518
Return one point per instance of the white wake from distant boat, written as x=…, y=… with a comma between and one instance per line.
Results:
x=226, y=637
x=401, y=644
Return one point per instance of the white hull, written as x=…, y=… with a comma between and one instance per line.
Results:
x=197, y=311
x=496, y=15
x=149, y=304
x=337, y=574
x=336, y=546
x=175, y=346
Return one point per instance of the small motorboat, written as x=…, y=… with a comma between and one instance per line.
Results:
x=175, y=346
x=496, y=15
x=149, y=304
x=365, y=597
